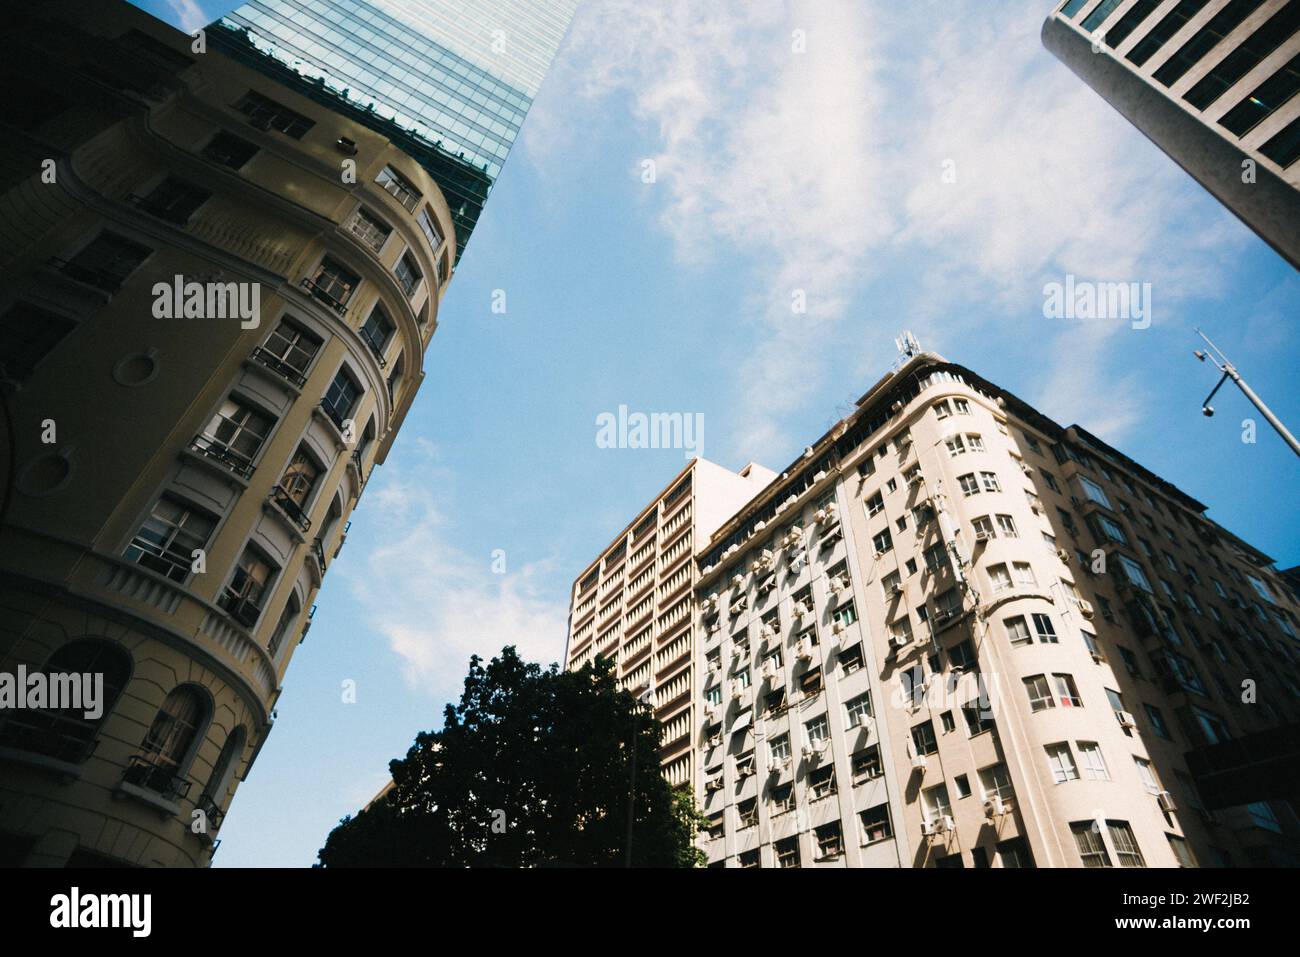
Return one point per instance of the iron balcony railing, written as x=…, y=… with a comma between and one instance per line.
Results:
x=318, y=550
x=58, y=736
x=332, y=413
x=142, y=772
x=208, y=805
x=240, y=608
x=287, y=504
x=238, y=463
x=279, y=366
x=324, y=296
x=376, y=348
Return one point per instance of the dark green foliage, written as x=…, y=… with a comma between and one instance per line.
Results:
x=531, y=769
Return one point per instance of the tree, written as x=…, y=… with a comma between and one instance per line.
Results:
x=533, y=768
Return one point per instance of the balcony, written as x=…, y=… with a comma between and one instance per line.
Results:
x=376, y=348
x=320, y=293
x=210, y=448
x=286, y=503
x=333, y=415
x=318, y=552
x=142, y=773
x=280, y=367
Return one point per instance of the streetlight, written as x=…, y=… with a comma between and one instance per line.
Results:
x=1230, y=372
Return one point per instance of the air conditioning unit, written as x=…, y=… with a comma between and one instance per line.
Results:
x=838, y=627
x=779, y=765
x=744, y=770
x=983, y=535
x=765, y=561
x=715, y=664
x=896, y=588
x=766, y=632
x=711, y=713
x=929, y=828
x=737, y=580
x=915, y=480
x=994, y=807
x=1026, y=468
x=948, y=823
x=739, y=605
x=1166, y=801
x=1125, y=719
x=1036, y=508
x=770, y=672
x=713, y=741
x=803, y=650
x=710, y=606
x=898, y=641
x=919, y=762
x=1085, y=608
x=713, y=784
x=1063, y=555
x=803, y=609
x=737, y=689
x=840, y=583
x=864, y=721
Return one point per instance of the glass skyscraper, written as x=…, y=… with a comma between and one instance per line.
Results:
x=448, y=80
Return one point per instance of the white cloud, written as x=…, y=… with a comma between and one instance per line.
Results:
x=820, y=170
x=435, y=603
x=189, y=14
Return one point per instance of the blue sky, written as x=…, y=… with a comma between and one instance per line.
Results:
x=775, y=171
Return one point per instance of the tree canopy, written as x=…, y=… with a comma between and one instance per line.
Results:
x=533, y=768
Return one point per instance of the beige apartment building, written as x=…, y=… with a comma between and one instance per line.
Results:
x=956, y=634
x=635, y=603
x=183, y=475
x=1213, y=83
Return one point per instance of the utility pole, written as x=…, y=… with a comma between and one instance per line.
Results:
x=1230, y=372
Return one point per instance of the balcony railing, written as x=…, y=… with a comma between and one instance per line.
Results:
x=240, y=608
x=286, y=503
x=319, y=292
x=318, y=550
x=279, y=366
x=342, y=538
x=235, y=461
x=376, y=348
x=208, y=805
x=99, y=278
x=332, y=414
x=164, y=781
x=57, y=736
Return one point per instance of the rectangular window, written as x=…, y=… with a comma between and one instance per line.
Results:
x=226, y=149
x=1045, y=630
x=333, y=284
x=1061, y=762
x=408, y=274
x=369, y=228
x=923, y=739
x=821, y=783
x=875, y=824
x=787, y=852
x=969, y=485
x=783, y=799
x=377, y=331
x=106, y=261
x=28, y=335
x=1017, y=631
x=1039, y=692
x=1161, y=33
x=875, y=504
x=1067, y=692
x=244, y=594
x=1087, y=839
x=1007, y=526
x=168, y=538
x=995, y=782
x=1099, y=14
x=935, y=804
x=234, y=435
x=1124, y=28
x=1252, y=51
x=1126, y=847
x=829, y=841
x=174, y=200
x=1204, y=40
x=289, y=350
x=999, y=577
x=865, y=764
x=1093, y=761
x=400, y=187
x=266, y=114
x=430, y=229
x=340, y=398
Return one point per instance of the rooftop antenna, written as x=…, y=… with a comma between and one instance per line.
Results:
x=907, y=346
x=1230, y=372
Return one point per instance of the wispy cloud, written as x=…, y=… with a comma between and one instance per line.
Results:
x=823, y=170
x=436, y=603
x=189, y=14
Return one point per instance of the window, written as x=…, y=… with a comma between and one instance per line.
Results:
x=247, y=589
x=399, y=186
x=783, y=799
x=821, y=782
x=747, y=859
x=851, y=659
x=779, y=749
x=962, y=784
x=923, y=739
x=1050, y=479
x=1017, y=631
x=875, y=824
x=229, y=150
x=818, y=729
x=174, y=200
x=969, y=485
x=1094, y=491
x=266, y=114
x=956, y=445
x=883, y=541
x=1061, y=762
x=999, y=577
x=747, y=812
x=1133, y=573
x=1024, y=575
x=865, y=764
x=408, y=274
x=1250, y=53
x=858, y=709
x=28, y=335
x=1130, y=660
x=234, y=435
x=1087, y=839
x=1147, y=775
x=1110, y=530
x=948, y=721
x=1093, y=761
x=282, y=627
x=340, y=398
x=875, y=504
x=377, y=331
x=974, y=442
x=1015, y=853
x=1263, y=816
x=170, y=742
x=990, y=482
x=67, y=734
x=289, y=350
x=430, y=229
x=1040, y=693
x=995, y=782
x=106, y=262
x=811, y=682
x=369, y=228
x=1182, y=852
x=298, y=481
x=983, y=528
x=1126, y=848
x=1007, y=525
x=1204, y=40
x=961, y=656
x=978, y=718
x=829, y=840
x=935, y=804
x=333, y=284
x=787, y=852
x=1067, y=691
x=1045, y=630
x=166, y=541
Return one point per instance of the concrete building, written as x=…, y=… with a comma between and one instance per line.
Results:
x=954, y=633
x=216, y=291
x=635, y=603
x=1213, y=83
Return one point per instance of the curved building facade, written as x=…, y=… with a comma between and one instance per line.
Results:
x=216, y=298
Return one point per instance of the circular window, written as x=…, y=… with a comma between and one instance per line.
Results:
x=47, y=473
x=136, y=369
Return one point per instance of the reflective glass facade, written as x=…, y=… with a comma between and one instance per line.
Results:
x=456, y=77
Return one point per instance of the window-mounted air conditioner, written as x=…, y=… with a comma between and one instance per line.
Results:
x=1126, y=720
x=1085, y=608
x=1166, y=801
x=994, y=807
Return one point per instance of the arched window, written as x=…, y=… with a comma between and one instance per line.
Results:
x=223, y=772
x=287, y=618
x=68, y=733
x=171, y=742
